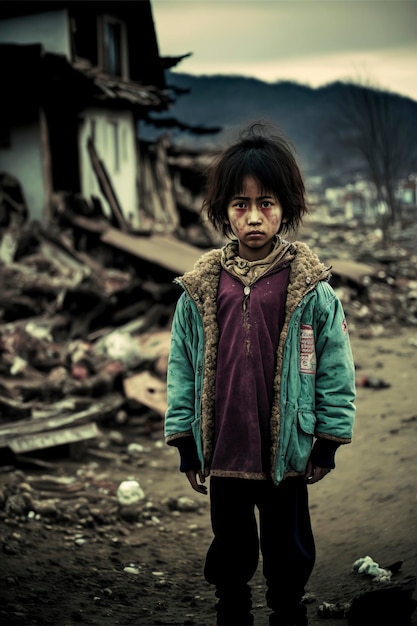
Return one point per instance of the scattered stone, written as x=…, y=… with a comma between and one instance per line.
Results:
x=328, y=610
x=11, y=548
x=17, y=505
x=80, y=541
x=130, y=492
x=309, y=598
x=131, y=569
x=117, y=438
x=45, y=508
x=131, y=512
x=184, y=504
x=135, y=450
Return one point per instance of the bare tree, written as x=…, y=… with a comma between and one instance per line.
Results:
x=369, y=126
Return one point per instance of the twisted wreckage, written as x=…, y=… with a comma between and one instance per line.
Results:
x=96, y=221
x=88, y=212
x=86, y=311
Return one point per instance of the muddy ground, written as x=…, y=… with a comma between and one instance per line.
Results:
x=65, y=546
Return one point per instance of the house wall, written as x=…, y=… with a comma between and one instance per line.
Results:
x=113, y=134
x=49, y=29
x=24, y=162
x=24, y=159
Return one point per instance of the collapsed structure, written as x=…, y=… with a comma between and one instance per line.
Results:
x=96, y=221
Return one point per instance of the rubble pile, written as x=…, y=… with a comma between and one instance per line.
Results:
x=85, y=322
x=87, y=500
x=84, y=338
x=376, y=282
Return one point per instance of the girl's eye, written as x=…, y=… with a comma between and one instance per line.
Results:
x=240, y=205
x=266, y=204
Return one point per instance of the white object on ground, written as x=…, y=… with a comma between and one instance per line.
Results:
x=130, y=492
x=366, y=565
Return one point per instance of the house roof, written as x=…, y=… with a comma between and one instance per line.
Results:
x=171, y=61
x=29, y=70
x=113, y=88
x=145, y=85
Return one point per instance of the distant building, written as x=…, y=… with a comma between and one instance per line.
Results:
x=355, y=204
x=407, y=191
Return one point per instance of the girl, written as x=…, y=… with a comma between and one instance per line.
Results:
x=260, y=380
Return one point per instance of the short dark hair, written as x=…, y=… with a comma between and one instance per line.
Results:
x=270, y=160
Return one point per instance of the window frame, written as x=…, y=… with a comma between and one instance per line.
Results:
x=104, y=50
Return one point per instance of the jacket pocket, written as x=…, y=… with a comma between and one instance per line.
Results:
x=301, y=443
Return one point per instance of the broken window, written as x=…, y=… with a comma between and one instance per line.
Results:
x=114, y=45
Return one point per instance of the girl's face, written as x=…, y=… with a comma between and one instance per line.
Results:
x=255, y=218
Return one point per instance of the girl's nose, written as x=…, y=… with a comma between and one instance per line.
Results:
x=254, y=215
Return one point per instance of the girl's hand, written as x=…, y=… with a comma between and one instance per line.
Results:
x=314, y=474
x=192, y=478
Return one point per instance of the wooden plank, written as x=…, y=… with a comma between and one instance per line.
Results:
x=106, y=186
x=352, y=269
x=164, y=183
x=165, y=251
x=27, y=443
x=151, y=200
x=98, y=410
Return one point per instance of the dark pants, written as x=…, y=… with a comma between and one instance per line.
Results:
x=285, y=538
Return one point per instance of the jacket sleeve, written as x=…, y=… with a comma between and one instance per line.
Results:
x=335, y=377
x=180, y=376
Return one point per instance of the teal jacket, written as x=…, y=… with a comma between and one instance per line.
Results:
x=314, y=388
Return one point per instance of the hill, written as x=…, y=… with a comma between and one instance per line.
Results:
x=305, y=114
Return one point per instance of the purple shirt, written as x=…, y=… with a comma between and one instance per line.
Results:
x=250, y=327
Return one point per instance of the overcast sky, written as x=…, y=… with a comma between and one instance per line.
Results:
x=310, y=41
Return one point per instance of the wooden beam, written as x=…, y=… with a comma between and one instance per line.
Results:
x=105, y=185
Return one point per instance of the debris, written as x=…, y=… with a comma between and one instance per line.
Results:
x=328, y=610
x=183, y=504
x=130, y=492
x=373, y=382
x=106, y=185
x=58, y=428
x=86, y=301
x=148, y=390
x=366, y=565
x=394, y=568
x=132, y=569
x=391, y=604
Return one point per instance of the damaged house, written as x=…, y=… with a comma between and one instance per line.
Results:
x=90, y=228
x=77, y=79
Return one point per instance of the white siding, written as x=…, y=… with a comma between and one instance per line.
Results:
x=24, y=162
x=115, y=144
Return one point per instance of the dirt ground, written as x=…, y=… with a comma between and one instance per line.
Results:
x=66, y=565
